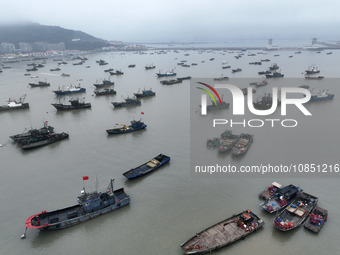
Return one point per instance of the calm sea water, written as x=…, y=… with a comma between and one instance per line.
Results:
x=168, y=206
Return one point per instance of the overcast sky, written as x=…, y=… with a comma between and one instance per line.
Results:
x=183, y=20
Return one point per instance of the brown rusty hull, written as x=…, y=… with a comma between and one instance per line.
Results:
x=221, y=234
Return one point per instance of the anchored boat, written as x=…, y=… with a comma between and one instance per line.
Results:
x=242, y=145
x=128, y=102
x=35, y=142
x=90, y=205
x=223, y=233
x=296, y=213
x=229, y=140
x=317, y=219
x=75, y=104
x=135, y=125
x=147, y=167
x=71, y=89
x=15, y=105
x=145, y=93
x=271, y=190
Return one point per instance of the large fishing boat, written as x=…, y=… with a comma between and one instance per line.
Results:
x=69, y=90
x=145, y=93
x=296, y=213
x=147, y=167
x=104, y=84
x=39, y=141
x=39, y=84
x=172, y=73
x=90, y=205
x=15, y=105
x=135, y=125
x=223, y=233
x=128, y=102
x=75, y=104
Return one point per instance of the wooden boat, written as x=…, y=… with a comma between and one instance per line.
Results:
x=223, y=233
x=213, y=143
x=147, y=167
x=242, y=145
x=317, y=219
x=228, y=141
x=281, y=199
x=271, y=190
x=296, y=213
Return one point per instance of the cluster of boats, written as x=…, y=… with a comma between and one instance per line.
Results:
x=238, y=144
x=34, y=138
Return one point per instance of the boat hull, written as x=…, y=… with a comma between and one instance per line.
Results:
x=8, y=108
x=114, y=132
x=57, y=92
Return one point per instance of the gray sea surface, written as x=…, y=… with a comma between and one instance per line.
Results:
x=170, y=205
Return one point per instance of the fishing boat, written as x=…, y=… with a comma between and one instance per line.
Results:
x=105, y=92
x=151, y=66
x=104, y=83
x=147, y=167
x=131, y=66
x=15, y=105
x=273, y=67
x=159, y=74
x=184, y=78
x=128, y=102
x=39, y=84
x=274, y=75
x=75, y=104
x=65, y=75
x=236, y=70
x=222, y=78
x=242, y=145
x=171, y=82
x=282, y=198
x=145, y=93
x=41, y=132
x=108, y=70
x=116, y=72
x=89, y=206
x=213, y=143
x=264, y=72
x=223, y=233
x=35, y=142
x=271, y=190
x=296, y=213
x=226, y=67
x=70, y=90
x=316, y=219
x=228, y=141
x=55, y=69
x=135, y=126
x=321, y=95
x=308, y=77
x=312, y=70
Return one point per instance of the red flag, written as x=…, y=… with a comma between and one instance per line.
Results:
x=142, y=112
x=85, y=178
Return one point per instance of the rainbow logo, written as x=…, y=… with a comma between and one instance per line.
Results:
x=209, y=93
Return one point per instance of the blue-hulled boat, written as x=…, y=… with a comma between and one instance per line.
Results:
x=321, y=95
x=147, y=167
x=135, y=125
x=166, y=74
x=71, y=89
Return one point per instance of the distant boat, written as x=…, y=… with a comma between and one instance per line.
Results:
x=131, y=66
x=116, y=72
x=273, y=67
x=128, y=102
x=39, y=84
x=236, y=70
x=264, y=72
x=274, y=75
x=32, y=69
x=151, y=66
x=55, y=69
x=222, y=78
x=104, y=84
x=312, y=70
x=108, y=70
x=184, y=78
x=307, y=77
x=135, y=126
x=105, y=92
x=242, y=145
x=75, y=104
x=321, y=95
x=171, y=82
x=147, y=167
x=145, y=93
x=65, y=75
x=15, y=105
x=69, y=90
x=228, y=231
x=166, y=74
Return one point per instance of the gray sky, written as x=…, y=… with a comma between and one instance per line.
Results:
x=183, y=20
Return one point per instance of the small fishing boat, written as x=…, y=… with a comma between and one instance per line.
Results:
x=69, y=90
x=242, y=145
x=282, y=198
x=321, y=95
x=296, y=213
x=75, y=104
x=105, y=92
x=184, y=78
x=316, y=219
x=223, y=233
x=228, y=141
x=104, y=83
x=147, y=167
x=273, y=67
x=108, y=70
x=55, y=69
x=274, y=75
x=135, y=126
x=271, y=190
x=171, y=82
x=222, y=78
x=145, y=93
x=65, y=75
x=159, y=74
x=15, y=105
x=308, y=77
x=131, y=66
x=117, y=72
x=90, y=205
x=312, y=70
x=151, y=66
x=236, y=70
x=213, y=143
